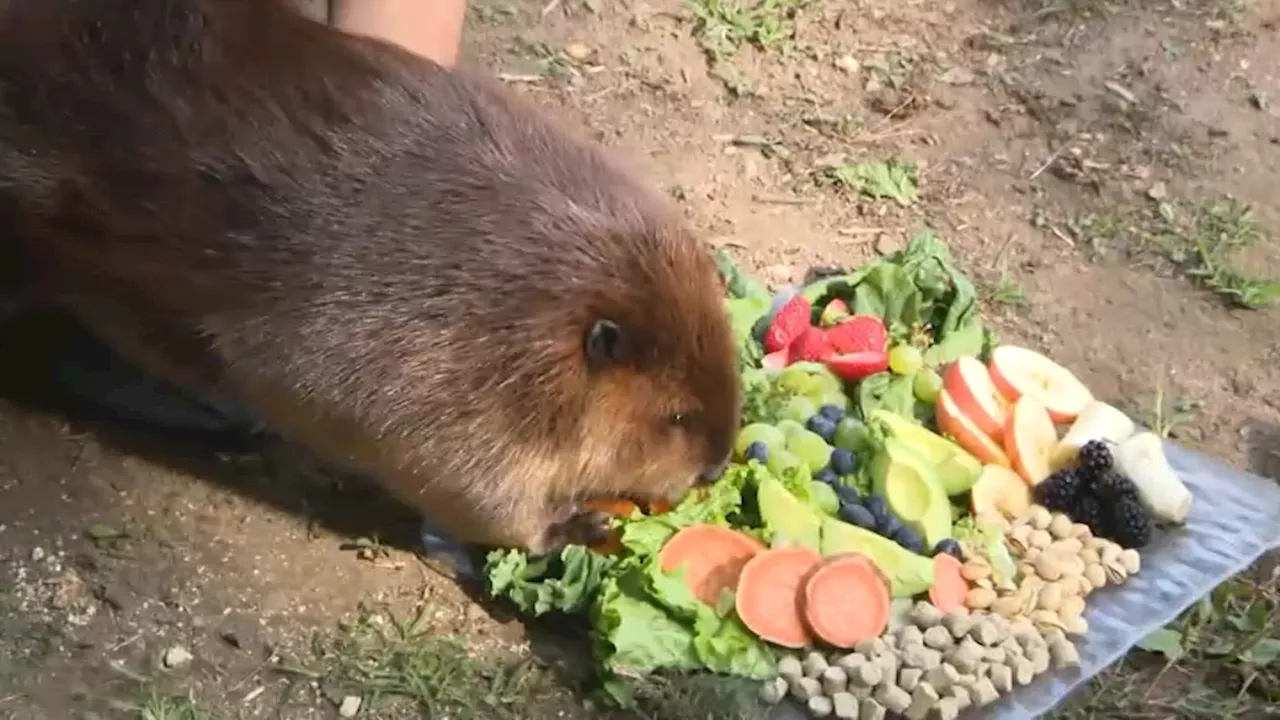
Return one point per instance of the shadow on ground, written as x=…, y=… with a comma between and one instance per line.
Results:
x=1263, y=455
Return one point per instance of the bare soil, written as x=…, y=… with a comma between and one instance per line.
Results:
x=1077, y=154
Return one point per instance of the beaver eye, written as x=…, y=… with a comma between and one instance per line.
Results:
x=604, y=344
x=682, y=420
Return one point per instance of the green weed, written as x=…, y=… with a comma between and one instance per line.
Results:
x=722, y=27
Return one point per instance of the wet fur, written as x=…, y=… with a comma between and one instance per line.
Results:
x=393, y=263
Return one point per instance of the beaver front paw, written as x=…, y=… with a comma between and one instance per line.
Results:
x=576, y=526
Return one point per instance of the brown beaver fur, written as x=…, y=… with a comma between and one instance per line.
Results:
x=403, y=267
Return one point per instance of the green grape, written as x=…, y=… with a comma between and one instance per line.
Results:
x=780, y=460
x=827, y=383
x=799, y=409
x=771, y=436
x=840, y=400
x=789, y=428
x=927, y=385
x=825, y=497
x=852, y=435
x=810, y=448
x=795, y=380
x=905, y=359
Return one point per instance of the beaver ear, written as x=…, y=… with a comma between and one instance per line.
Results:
x=604, y=344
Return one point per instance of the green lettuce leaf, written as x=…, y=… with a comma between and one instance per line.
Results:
x=562, y=583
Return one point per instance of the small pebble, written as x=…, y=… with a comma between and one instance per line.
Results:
x=1064, y=655
x=938, y=638
x=845, y=706
x=814, y=665
x=851, y=661
x=967, y=655
x=1002, y=678
x=960, y=694
x=349, y=706
x=804, y=688
x=834, y=680
x=773, y=690
x=910, y=635
x=888, y=664
x=872, y=710
x=942, y=677
x=176, y=657
x=926, y=615
x=922, y=701
x=985, y=633
x=958, y=622
x=893, y=698
x=921, y=657
x=870, y=648
x=948, y=708
x=866, y=675
x=996, y=656
x=909, y=678
x=820, y=706
x=984, y=693
x=1023, y=671
x=789, y=667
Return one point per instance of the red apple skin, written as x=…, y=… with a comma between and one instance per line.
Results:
x=1062, y=409
x=970, y=385
x=952, y=421
x=1027, y=419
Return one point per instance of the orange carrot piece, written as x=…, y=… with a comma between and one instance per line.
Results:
x=659, y=507
x=769, y=595
x=949, y=586
x=846, y=601
x=612, y=506
x=712, y=557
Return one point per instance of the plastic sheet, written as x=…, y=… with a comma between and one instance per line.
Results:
x=1234, y=520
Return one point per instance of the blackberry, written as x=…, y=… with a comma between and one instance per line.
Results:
x=1088, y=511
x=1111, y=487
x=1059, y=491
x=1095, y=460
x=1128, y=523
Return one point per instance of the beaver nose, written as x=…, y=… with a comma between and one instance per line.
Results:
x=712, y=473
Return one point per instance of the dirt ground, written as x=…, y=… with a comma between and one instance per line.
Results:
x=1108, y=171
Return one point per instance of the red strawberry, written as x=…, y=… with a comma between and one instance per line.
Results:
x=776, y=360
x=787, y=325
x=860, y=333
x=858, y=365
x=835, y=312
x=811, y=345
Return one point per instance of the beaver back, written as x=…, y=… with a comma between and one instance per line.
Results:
x=406, y=267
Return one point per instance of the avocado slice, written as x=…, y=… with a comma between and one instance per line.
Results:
x=906, y=481
x=955, y=468
x=791, y=520
x=909, y=574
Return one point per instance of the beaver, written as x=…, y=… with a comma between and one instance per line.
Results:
x=407, y=268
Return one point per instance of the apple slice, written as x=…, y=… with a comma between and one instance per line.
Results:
x=969, y=383
x=953, y=422
x=1029, y=439
x=1000, y=492
x=1017, y=371
x=776, y=360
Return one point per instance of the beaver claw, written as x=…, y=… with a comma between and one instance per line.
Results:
x=580, y=527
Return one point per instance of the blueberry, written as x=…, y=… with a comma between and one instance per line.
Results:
x=828, y=476
x=758, y=451
x=948, y=546
x=843, y=461
x=876, y=505
x=888, y=526
x=847, y=495
x=823, y=426
x=859, y=516
x=909, y=539
x=834, y=413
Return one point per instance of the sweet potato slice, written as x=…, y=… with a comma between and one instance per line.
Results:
x=769, y=595
x=846, y=600
x=712, y=557
x=949, y=586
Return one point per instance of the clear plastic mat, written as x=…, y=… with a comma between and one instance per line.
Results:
x=1234, y=520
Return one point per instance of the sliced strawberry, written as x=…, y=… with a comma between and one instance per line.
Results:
x=788, y=324
x=812, y=345
x=858, y=365
x=776, y=360
x=835, y=312
x=860, y=333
